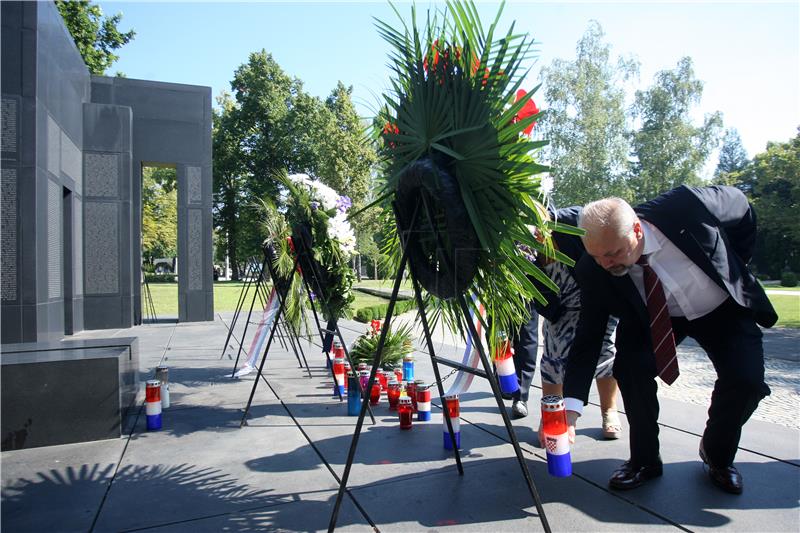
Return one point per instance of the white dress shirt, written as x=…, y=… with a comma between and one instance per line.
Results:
x=690, y=292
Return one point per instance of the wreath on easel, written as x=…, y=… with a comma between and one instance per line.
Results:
x=459, y=166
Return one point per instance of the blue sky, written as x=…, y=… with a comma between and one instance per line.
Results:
x=747, y=53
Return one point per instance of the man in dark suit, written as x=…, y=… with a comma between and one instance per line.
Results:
x=673, y=267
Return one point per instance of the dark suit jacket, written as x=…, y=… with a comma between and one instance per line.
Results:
x=716, y=228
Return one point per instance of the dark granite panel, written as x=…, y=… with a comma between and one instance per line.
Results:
x=162, y=141
x=106, y=128
x=62, y=394
x=11, y=323
x=102, y=312
x=162, y=101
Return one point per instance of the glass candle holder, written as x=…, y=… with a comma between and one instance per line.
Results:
x=411, y=391
x=556, y=437
x=506, y=372
x=382, y=380
x=452, y=411
x=408, y=367
x=363, y=376
x=353, y=396
x=404, y=412
x=393, y=394
x=375, y=394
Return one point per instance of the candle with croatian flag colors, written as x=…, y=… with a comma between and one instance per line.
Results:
x=393, y=394
x=152, y=404
x=504, y=363
x=338, y=373
x=451, y=410
x=423, y=403
x=162, y=375
x=353, y=395
x=408, y=367
x=556, y=438
x=419, y=384
x=404, y=412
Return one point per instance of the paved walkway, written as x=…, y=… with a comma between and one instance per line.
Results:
x=203, y=472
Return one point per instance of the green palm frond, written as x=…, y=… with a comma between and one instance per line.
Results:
x=453, y=98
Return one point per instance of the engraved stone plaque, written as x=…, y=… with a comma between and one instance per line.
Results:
x=9, y=115
x=195, y=249
x=194, y=180
x=102, y=175
x=77, y=246
x=8, y=217
x=53, y=146
x=101, y=239
x=54, y=240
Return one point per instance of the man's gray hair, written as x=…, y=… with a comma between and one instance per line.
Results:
x=612, y=213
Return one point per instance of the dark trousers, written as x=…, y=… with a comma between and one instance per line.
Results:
x=526, y=342
x=732, y=340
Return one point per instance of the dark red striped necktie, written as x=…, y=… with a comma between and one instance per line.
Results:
x=660, y=325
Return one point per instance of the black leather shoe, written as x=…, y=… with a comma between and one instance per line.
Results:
x=629, y=476
x=727, y=478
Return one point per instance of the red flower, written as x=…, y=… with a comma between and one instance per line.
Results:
x=391, y=129
x=376, y=326
x=528, y=110
x=291, y=247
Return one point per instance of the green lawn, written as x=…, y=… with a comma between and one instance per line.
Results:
x=788, y=308
x=382, y=284
x=226, y=293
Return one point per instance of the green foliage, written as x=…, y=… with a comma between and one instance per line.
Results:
x=159, y=212
x=453, y=98
x=669, y=150
x=775, y=175
x=788, y=279
x=397, y=343
x=378, y=312
x=160, y=278
x=95, y=36
x=732, y=155
x=585, y=122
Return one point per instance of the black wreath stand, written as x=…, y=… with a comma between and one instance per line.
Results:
x=260, y=293
x=303, y=258
x=406, y=236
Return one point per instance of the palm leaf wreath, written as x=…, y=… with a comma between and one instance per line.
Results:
x=454, y=131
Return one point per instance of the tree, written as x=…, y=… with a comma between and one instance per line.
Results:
x=733, y=162
x=348, y=156
x=95, y=36
x=668, y=149
x=585, y=121
x=268, y=126
x=776, y=198
x=159, y=213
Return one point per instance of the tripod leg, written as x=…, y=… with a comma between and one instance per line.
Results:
x=429, y=341
x=365, y=402
x=506, y=420
x=249, y=315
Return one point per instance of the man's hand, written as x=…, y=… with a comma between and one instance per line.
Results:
x=572, y=419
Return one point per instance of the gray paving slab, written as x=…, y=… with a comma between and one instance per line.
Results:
x=207, y=475
x=57, y=488
x=203, y=473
